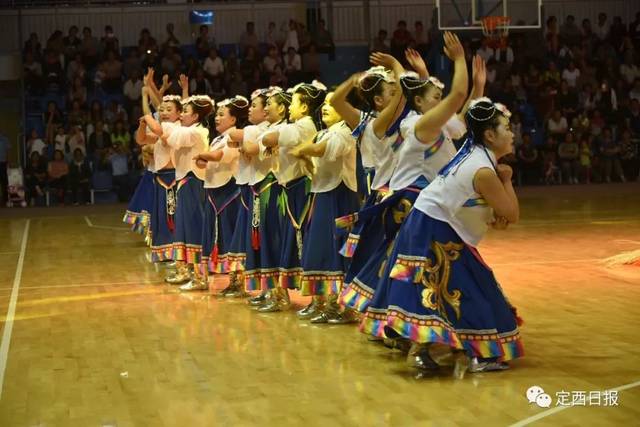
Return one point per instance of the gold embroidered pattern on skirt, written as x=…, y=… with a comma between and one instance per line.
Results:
x=436, y=279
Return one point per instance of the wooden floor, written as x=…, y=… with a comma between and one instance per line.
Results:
x=98, y=340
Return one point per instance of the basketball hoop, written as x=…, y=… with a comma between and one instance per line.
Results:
x=496, y=30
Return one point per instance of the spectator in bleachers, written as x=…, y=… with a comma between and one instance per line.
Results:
x=76, y=140
x=79, y=178
x=171, y=61
x=291, y=41
x=199, y=85
x=35, y=176
x=33, y=46
x=571, y=74
x=114, y=113
x=634, y=30
x=172, y=40
x=132, y=63
x=379, y=43
x=588, y=98
x=249, y=38
x=292, y=63
x=249, y=63
x=569, y=31
x=57, y=171
x=217, y=90
x=76, y=70
x=231, y=66
x=132, y=91
x=213, y=66
x=586, y=155
x=204, y=42
x=551, y=171
x=420, y=38
x=120, y=136
x=112, y=68
x=304, y=37
x=60, y=140
x=601, y=30
x=77, y=92
x=77, y=115
x=35, y=143
x=146, y=42
x=109, y=42
x=632, y=116
x=485, y=51
x=271, y=60
x=311, y=63
x=33, y=79
x=557, y=126
x=271, y=35
x=278, y=78
x=569, y=156
x=119, y=161
x=324, y=40
x=53, y=114
x=99, y=140
x=89, y=48
x=610, y=151
x=552, y=36
x=55, y=44
x=53, y=72
x=71, y=43
x=528, y=161
x=629, y=155
x=238, y=86
x=629, y=70
x=400, y=40
x=597, y=123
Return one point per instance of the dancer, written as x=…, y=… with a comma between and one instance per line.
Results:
x=221, y=202
x=334, y=194
x=294, y=200
x=250, y=170
x=439, y=289
x=187, y=142
x=263, y=239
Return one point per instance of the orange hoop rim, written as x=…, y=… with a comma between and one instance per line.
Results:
x=496, y=30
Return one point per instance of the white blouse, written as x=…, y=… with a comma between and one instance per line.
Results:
x=245, y=163
x=454, y=200
x=187, y=143
x=338, y=164
x=219, y=173
x=417, y=159
x=290, y=135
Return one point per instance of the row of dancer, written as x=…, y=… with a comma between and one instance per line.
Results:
x=275, y=204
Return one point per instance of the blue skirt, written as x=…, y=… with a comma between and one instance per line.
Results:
x=437, y=289
x=323, y=266
x=220, y=214
x=383, y=221
x=141, y=204
x=162, y=221
x=263, y=242
x=237, y=249
x=189, y=216
x=293, y=205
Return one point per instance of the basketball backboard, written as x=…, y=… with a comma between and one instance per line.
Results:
x=460, y=15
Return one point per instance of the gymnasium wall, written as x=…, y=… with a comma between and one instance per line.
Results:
x=347, y=24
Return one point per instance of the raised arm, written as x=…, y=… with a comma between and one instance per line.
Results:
x=428, y=127
x=479, y=80
x=417, y=63
x=339, y=101
x=153, y=124
x=393, y=109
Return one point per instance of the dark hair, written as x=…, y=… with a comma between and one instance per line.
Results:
x=413, y=87
x=241, y=113
x=177, y=104
x=313, y=98
x=202, y=109
x=370, y=87
x=282, y=98
x=480, y=117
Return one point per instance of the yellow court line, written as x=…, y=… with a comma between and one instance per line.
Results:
x=86, y=285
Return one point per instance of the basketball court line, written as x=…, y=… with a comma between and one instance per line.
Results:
x=86, y=285
x=103, y=227
x=557, y=409
x=13, y=301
